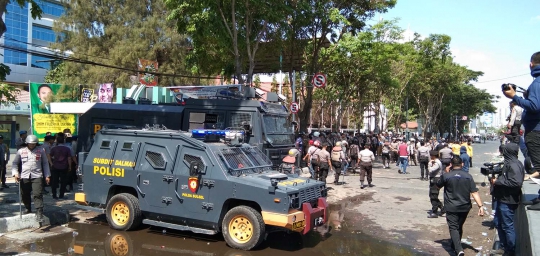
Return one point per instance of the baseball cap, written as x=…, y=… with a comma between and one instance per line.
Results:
x=21, y=132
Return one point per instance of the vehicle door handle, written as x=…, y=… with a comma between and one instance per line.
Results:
x=138, y=183
x=176, y=191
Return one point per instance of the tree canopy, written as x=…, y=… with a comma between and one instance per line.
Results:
x=118, y=33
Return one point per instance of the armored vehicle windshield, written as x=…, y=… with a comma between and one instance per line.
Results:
x=244, y=160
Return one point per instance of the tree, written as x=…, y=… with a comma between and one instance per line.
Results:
x=274, y=84
x=320, y=23
x=95, y=30
x=257, y=81
x=231, y=28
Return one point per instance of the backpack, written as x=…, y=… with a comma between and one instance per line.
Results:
x=374, y=141
x=354, y=151
x=336, y=155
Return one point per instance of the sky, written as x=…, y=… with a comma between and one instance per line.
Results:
x=493, y=36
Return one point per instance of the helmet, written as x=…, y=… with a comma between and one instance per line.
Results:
x=316, y=134
x=293, y=152
x=31, y=139
x=317, y=143
x=338, y=144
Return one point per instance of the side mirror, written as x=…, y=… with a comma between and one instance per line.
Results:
x=194, y=169
x=247, y=126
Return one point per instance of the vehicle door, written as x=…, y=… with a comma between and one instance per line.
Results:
x=154, y=174
x=193, y=191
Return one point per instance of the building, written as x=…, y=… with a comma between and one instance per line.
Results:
x=22, y=43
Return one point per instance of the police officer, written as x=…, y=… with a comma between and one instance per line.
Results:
x=34, y=166
x=446, y=155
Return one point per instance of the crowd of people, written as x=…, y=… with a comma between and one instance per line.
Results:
x=51, y=164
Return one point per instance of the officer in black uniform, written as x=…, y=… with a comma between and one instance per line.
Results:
x=458, y=186
x=34, y=166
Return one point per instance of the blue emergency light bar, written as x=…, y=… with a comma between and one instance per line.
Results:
x=202, y=133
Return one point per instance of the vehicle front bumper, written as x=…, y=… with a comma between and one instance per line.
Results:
x=315, y=216
x=299, y=220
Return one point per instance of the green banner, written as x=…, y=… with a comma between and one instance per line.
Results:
x=42, y=120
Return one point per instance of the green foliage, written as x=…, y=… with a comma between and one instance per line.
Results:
x=118, y=33
x=274, y=84
x=56, y=75
x=257, y=81
x=226, y=33
x=8, y=94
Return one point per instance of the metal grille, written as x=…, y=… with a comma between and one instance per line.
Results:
x=155, y=159
x=189, y=159
x=238, y=118
x=309, y=195
x=256, y=156
x=236, y=159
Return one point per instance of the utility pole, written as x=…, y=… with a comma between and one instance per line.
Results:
x=281, y=77
x=292, y=90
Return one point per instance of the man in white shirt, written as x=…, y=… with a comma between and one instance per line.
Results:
x=366, y=158
x=514, y=123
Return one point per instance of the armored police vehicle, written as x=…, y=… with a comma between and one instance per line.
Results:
x=266, y=123
x=204, y=184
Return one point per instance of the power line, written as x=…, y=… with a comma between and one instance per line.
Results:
x=500, y=79
x=87, y=62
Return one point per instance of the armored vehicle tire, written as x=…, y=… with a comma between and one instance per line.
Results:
x=243, y=228
x=123, y=212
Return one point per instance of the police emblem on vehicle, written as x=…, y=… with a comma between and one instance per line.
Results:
x=193, y=184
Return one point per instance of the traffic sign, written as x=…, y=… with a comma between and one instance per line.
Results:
x=295, y=107
x=319, y=80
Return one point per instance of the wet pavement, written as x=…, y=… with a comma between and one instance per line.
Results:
x=99, y=239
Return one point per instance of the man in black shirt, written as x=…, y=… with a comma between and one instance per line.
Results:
x=458, y=186
x=507, y=192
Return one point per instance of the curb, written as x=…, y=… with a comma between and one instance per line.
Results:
x=54, y=216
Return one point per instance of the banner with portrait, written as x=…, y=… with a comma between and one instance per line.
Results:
x=41, y=95
x=147, y=66
x=101, y=93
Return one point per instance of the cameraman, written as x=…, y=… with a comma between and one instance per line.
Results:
x=507, y=193
x=530, y=118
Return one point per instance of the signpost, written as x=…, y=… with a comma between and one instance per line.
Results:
x=295, y=107
x=319, y=80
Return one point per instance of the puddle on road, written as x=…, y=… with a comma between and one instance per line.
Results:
x=98, y=239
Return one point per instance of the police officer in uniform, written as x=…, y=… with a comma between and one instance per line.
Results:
x=34, y=166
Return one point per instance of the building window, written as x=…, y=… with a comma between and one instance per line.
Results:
x=43, y=33
x=41, y=62
x=16, y=35
x=54, y=9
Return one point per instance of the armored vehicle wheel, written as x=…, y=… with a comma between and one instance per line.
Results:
x=123, y=212
x=243, y=228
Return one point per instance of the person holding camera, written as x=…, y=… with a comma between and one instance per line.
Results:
x=459, y=187
x=530, y=118
x=507, y=193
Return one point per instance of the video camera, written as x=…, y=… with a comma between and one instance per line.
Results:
x=491, y=169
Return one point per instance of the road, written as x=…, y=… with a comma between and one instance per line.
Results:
x=388, y=219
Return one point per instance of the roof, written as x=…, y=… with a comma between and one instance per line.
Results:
x=411, y=125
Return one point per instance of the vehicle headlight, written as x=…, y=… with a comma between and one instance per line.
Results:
x=294, y=200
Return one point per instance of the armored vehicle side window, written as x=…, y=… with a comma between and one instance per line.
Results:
x=155, y=159
x=201, y=120
x=105, y=144
x=238, y=119
x=188, y=159
x=128, y=145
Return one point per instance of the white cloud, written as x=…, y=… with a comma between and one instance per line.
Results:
x=536, y=18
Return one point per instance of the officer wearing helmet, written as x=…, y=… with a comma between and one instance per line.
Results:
x=288, y=163
x=34, y=166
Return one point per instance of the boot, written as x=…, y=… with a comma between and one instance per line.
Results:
x=362, y=185
x=433, y=215
x=39, y=215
